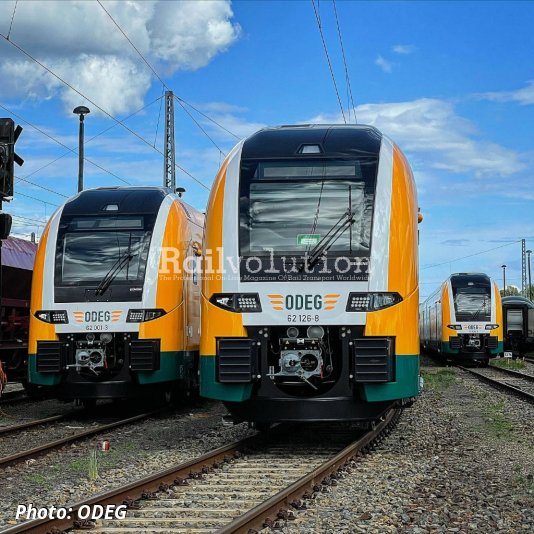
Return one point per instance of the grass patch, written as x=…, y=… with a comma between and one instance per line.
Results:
x=38, y=478
x=439, y=380
x=496, y=422
x=507, y=363
x=80, y=465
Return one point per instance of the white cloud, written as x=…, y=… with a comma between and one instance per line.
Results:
x=404, y=49
x=524, y=96
x=384, y=64
x=79, y=42
x=432, y=133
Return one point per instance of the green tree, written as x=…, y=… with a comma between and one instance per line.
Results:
x=511, y=291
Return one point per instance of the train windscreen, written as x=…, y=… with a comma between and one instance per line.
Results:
x=472, y=297
x=288, y=207
x=89, y=249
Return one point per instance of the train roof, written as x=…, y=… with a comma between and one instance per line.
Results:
x=142, y=199
x=516, y=299
x=463, y=278
x=334, y=140
x=18, y=253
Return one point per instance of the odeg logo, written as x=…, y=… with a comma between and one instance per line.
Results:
x=308, y=302
x=97, y=316
x=304, y=302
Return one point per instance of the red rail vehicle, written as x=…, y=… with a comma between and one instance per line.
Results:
x=17, y=266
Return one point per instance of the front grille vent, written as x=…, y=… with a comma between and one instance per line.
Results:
x=236, y=360
x=492, y=342
x=455, y=342
x=145, y=355
x=373, y=360
x=49, y=357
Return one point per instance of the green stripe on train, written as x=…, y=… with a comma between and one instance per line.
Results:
x=41, y=379
x=406, y=383
x=446, y=348
x=209, y=387
x=173, y=365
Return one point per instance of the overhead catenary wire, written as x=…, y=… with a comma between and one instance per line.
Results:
x=470, y=255
x=52, y=138
x=12, y=19
x=41, y=222
x=100, y=108
x=149, y=65
x=347, y=77
x=200, y=127
x=24, y=179
x=117, y=25
x=159, y=113
x=69, y=151
x=319, y=25
x=208, y=117
x=38, y=199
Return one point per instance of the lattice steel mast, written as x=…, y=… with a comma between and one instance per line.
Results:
x=169, y=169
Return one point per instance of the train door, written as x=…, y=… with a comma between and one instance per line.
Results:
x=192, y=296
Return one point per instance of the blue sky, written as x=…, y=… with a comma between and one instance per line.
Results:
x=450, y=82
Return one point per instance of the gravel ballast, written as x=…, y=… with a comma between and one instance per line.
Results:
x=61, y=477
x=460, y=460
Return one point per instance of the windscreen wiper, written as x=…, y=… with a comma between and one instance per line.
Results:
x=324, y=244
x=115, y=269
x=475, y=314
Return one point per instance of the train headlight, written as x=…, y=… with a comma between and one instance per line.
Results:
x=454, y=326
x=53, y=316
x=492, y=326
x=237, y=302
x=365, y=302
x=143, y=315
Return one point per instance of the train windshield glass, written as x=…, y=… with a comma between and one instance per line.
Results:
x=289, y=207
x=92, y=247
x=472, y=298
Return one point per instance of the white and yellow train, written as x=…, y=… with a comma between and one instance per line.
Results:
x=462, y=320
x=115, y=304
x=310, y=295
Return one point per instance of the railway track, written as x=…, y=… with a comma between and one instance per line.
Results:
x=239, y=488
x=55, y=444
x=508, y=380
x=36, y=422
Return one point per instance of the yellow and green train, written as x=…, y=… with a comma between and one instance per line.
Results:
x=462, y=320
x=115, y=295
x=310, y=289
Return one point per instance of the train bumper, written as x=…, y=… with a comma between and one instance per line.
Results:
x=268, y=410
x=263, y=402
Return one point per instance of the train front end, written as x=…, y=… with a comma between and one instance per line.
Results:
x=105, y=320
x=472, y=322
x=310, y=283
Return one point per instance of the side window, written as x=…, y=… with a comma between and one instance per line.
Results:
x=195, y=271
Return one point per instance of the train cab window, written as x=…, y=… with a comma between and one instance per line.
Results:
x=472, y=297
x=90, y=248
x=288, y=206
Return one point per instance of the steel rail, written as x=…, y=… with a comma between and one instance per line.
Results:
x=135, y=489
x=525, y=395
x=36, y=451
x=178, y=475
x=36, y=422
x=260, y=516
x=512, y=372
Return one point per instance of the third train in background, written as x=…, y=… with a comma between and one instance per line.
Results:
x=462, y=320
